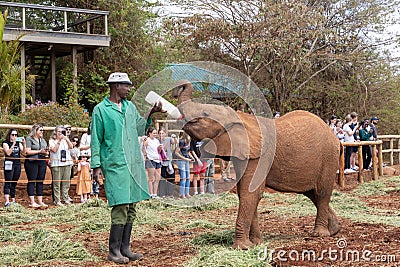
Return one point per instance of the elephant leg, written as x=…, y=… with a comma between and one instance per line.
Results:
x=334, y=225
x=248, y=202
x=326, y=222
x=255, y=233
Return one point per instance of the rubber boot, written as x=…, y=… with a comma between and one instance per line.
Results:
x=114, y=244
x=125, y=245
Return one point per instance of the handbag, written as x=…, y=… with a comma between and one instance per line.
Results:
x=162, y=155
x=8, y=165
x=170, y=168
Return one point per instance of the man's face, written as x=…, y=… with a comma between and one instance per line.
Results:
x=123, y=90
x=374, y=122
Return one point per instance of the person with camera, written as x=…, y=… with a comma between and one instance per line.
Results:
x=116, y=156
x=166, y=187
x=365, y=135
x=35, y=165
x=338, y=130
x=60, y=162
x=12, y=147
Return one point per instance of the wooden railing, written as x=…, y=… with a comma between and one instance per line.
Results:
x=377, y=158
x=394, y=147
x=377, y=163
x=88, y=16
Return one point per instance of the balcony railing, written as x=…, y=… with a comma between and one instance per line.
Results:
x=49, y=18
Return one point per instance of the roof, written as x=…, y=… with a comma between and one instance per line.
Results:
x=202, y=79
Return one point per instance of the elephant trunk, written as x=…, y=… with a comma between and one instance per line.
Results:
x=183, y=90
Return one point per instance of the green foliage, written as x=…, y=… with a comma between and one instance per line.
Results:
x=91, y=86
x=133, y=48
x=65, y=84
x=52, y=114
x=10, y=72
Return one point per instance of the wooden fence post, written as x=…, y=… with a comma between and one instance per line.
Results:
x=360, y=166
x=391, y=152
x=341, y=166
x=380, y=159
x=374, y=160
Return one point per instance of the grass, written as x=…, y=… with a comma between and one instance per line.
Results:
x=220, y=256
x=44, y=246
x=201, y=224
x=379, y=187
x=210, y=218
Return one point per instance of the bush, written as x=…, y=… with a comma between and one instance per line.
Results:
x=53, y=114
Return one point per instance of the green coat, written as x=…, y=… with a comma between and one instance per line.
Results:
x=364, y=135
x=115, y=148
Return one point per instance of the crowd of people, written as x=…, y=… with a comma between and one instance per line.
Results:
x=60, y=153
x=162, y=152
x=68, y=156
x=351, y=130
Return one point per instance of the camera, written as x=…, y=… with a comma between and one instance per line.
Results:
x=63, y=154
x=64, y=132
x=18, y=139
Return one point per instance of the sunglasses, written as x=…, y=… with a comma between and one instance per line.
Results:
x=40, y=130
x=14, y=134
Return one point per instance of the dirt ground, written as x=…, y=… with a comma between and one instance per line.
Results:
x=166, y=248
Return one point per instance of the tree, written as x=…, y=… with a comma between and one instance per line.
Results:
x=10, y=72
x=303, y=54
x=133, y=48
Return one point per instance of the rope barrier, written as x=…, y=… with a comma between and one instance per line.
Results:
x=75, y=161
x=38, y=181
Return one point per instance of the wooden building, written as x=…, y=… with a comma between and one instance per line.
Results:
x=47, y=33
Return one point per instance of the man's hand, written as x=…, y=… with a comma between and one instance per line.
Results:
x=96, y=174
x=157, y=108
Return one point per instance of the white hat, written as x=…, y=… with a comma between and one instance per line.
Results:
x=119, y=77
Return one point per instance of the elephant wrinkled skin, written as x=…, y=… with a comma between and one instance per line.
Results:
x=305, y=159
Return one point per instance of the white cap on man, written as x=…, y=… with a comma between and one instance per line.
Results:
x=119, y=77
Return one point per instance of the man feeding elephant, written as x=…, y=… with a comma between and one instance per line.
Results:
x=116, y=156
x=298, y=165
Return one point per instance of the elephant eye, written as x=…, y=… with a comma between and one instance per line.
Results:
x=205, y=114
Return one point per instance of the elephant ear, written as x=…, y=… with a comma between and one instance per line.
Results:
x=247, y=137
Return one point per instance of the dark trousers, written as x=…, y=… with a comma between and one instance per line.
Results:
x=11, y=178
x=348, y=151
x=36, y=172
x=367, y=156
